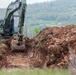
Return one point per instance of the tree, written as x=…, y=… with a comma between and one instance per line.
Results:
x=37, y=30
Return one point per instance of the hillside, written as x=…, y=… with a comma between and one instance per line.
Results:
x=57, y=12
x=42, y=15
x=48, y=14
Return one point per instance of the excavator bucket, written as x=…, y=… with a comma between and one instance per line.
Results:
x=17, y=44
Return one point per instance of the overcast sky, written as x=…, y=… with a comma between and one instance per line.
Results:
x=5, y=3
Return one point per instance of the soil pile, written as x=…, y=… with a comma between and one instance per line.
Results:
x=54, y=43
x=50, y=48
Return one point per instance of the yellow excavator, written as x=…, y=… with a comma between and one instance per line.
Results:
x=12, y=25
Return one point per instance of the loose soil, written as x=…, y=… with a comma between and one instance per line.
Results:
x=50, y=48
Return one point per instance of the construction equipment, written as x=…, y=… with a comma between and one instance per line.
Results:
x=7, y=26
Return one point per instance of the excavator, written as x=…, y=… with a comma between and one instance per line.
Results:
x=10, y=28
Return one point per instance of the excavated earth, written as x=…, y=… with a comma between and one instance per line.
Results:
x=50, y=48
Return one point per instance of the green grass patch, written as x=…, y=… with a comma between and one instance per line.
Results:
x=36, y=72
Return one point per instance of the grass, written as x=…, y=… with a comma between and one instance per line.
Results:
x=35, y=72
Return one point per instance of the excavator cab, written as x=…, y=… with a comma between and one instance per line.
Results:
x=8, y=27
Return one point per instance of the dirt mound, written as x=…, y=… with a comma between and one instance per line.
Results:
x=54, y=43
x=48, y=49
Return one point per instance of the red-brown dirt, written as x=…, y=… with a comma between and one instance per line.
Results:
x=49, y=48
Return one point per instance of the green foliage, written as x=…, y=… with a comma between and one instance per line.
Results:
x=37, y=30
x=36, y=72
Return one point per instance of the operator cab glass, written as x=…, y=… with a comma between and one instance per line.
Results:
x=16, y=28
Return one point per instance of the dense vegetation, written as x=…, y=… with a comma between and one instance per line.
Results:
x=57, y=12
x=42, y=15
